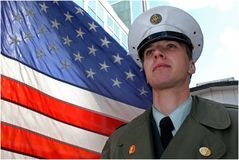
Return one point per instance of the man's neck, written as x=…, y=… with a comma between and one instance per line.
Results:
x=167, y=100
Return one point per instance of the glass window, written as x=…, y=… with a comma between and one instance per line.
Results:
x=113, y=1
x=125, y=47
x=117, y=30
x=152, y=4
x=110, y=22
x=100, y=21
x=100, y=11
x=113, y=35
x=116, y=38
x=124, y=39
x=109, y=31
x=80, y=3
x=92, y=4
x=137, y=9
x=91, y=13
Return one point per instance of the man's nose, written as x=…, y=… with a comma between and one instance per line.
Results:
x=159, y=53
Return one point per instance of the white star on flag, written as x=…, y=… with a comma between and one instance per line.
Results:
x=55, y=24
x=56, y=2
x=17, y=17
x=42, y=30
x=92, y=26
x=44, y=7
x=116, y=82
x=79, y=10
x=52, y=47
x=105, y=42
x=130, y=75
x=104, y=66
x=117, y=58
x=92, y=50
x=40, y=53
x=90, y=73
x=80, y=33
x=29, y=12
x=14, y=40
x=67, y=40
x=78, y=57
x=28, y=36
x=142, y=91
x=65, y=65
x=68, y=16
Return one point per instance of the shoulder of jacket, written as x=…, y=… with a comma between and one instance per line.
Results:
x=136, y=122
x=213, y=103
x=210, y=113
x=231, y=107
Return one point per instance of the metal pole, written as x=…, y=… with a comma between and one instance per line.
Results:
x=144, y=4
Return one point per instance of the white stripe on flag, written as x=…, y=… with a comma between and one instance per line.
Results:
x=11, y=155
x=24, y=118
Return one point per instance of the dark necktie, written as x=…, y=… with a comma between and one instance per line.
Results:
x=166, y=127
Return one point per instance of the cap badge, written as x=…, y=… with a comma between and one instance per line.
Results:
x=205, y=151
x=155, y=19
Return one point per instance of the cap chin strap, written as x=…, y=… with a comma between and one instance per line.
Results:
x=166, y=35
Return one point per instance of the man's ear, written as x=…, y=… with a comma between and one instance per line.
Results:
x=192, y=68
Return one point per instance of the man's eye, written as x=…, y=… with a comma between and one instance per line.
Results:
x=171, y=45
x=148, y=52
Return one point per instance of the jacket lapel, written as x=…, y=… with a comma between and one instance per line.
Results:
x=197, y=132
x=138, y=139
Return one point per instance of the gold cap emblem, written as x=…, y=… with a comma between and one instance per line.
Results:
x=204, y=151
x=132, y=149
x=155, y=18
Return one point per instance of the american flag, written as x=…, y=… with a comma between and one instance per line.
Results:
x=66, y=84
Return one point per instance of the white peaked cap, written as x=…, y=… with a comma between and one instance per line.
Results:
x=164, y=23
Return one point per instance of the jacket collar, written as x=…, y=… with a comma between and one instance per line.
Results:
x=210, y=113
x=197, y=132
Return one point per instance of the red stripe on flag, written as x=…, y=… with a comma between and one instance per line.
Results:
x=32, y=144
x=28, y=97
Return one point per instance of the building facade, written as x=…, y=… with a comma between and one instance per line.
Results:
x=104, y=14
x=129, y=10
x=223, y=91
x=116, y=16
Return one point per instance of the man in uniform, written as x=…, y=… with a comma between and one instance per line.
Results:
x=168, y=42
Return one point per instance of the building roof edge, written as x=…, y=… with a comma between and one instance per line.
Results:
x=214, y=84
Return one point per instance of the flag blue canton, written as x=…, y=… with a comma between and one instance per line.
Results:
x=60, y=40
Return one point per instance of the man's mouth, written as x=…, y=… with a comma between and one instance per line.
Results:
x=161, y=65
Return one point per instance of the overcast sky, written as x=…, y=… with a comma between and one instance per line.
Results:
x=219, y=21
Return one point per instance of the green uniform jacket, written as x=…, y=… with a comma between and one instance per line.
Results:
x=209, y=124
